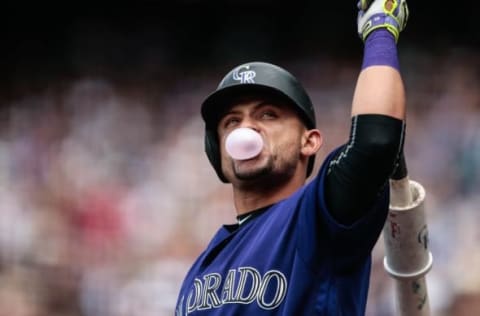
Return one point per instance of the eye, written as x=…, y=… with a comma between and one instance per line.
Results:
x=230, y=121
x=268, y=115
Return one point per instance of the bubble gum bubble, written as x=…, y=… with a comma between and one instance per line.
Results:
x=243, y=143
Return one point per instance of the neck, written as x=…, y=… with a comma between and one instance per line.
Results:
x=251, y=196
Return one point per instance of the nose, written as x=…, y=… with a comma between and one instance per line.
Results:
x=249, y=122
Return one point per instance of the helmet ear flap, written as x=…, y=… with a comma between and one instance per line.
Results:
x=213, y=153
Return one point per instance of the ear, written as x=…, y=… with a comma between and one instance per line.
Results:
x=311, y=142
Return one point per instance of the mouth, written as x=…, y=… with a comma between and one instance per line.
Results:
x=249, y=159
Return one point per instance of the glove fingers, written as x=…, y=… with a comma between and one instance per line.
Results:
x=364, y=4
x=406, y=13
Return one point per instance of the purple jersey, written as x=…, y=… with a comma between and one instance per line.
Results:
x=292, y=258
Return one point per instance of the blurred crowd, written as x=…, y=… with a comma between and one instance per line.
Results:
x=107, y=196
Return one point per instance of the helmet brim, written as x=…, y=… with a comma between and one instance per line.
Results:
x=217, y=104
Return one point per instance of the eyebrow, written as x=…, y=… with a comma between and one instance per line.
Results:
x=257, y=106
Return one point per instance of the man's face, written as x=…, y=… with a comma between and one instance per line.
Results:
x=282, y=132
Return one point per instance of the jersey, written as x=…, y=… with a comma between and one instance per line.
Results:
x=292, y=258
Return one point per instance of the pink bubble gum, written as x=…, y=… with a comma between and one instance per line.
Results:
x=243, y=143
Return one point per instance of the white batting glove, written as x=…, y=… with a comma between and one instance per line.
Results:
x=389, y=14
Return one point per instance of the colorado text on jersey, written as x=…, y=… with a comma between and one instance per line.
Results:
x=214, y=291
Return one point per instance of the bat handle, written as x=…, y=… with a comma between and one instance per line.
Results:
x=401, y=168
x=400, y=191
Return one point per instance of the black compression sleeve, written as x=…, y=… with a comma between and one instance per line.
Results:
x=362, y=167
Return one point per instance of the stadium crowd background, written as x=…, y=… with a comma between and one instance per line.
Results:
x=106, y=195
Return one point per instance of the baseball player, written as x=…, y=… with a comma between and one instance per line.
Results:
x=301, y=248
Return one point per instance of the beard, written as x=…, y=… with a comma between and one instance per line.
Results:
x=250, y=173
x=271, y=171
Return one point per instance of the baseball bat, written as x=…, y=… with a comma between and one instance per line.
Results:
x=407, y=256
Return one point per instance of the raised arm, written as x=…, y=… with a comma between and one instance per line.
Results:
x=380, y=87
x=362, y=167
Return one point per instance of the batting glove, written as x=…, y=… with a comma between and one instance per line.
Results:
x=389, y=14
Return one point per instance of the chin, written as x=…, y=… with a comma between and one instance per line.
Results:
x=251, y=169
x=252, y=175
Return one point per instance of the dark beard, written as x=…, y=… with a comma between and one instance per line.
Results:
x=265, y=178
x=254, y=174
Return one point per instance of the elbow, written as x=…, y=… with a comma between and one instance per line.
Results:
x=381, y=141
x=383, y=149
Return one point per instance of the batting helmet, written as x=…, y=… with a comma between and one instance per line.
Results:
x=258, y=78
